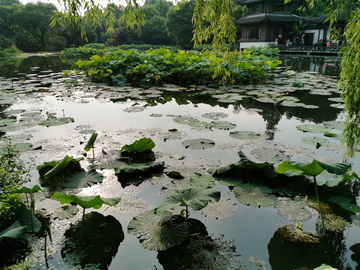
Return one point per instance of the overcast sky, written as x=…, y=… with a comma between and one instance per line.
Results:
x=55, y=2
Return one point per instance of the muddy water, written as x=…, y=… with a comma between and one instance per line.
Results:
x=122, y=115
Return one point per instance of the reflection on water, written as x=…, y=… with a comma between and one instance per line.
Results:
x=325, y=65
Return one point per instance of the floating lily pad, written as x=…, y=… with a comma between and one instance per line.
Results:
x=229, y=181
x=222, y=125
x=244, y=135
x=335, y=223
x=292, y=211
x=22, y=147
x=202, y=181
x=335, y=125
x=215, y=115
x=312, y=128
x=336, y=99
x=156, y=115
x=338, y=106
x=355, y=220
x=83, y=179
x=222, y=209
x=316, y=141
x=29, y=114
x=198, y=144
x=65, y=212
x=7, y=122
x=252, y=195
x=87, y=131
x=134, y=109
x=14, y=111
x=57, y=121
x=159, y=231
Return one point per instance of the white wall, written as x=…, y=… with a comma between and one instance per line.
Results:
x=318, y=33
x=256, y=44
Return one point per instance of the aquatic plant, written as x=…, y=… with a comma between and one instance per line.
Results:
x=195, y=197
x=313, y=169
x=85, y=202
x=90, y=144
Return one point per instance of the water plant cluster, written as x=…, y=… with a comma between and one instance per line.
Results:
x=156, y=67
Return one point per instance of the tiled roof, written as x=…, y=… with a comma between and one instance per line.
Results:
x=270, y=17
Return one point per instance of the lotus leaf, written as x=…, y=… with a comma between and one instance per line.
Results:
x=336, y=99
x=57, y=121
x=65, y=212
x=200, y=180
x=156, y=115
x=139, y=168
x=229, y=181
x=316, y=141
x=355, y=220
x=329, y=182
x=59, y=167
x=195, y=197
x=244, y=135
x=28, y=190
x=338, y=106
x=159, y=231
x=325, y=267
x=26, y=218
x=14, y=231
x=252, y=195
x=30, y=114
x=335, y=223
x=222, y=125
x=87, y=131
x=345, y=203
x=7, y=122
x=185, y=120
x=292, y=211
x=335, y=125
x=215, y=115
x=14, y=111
x=86, y=201
x=142, y=145
x=83, y=179
x=198, y=144
x=312, y=128
x=22, y=147
x=90, y=143
x=222, y=209
x=134, y=109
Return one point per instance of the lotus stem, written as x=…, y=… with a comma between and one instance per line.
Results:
x=82, y=222
x=45, y=253
x=93, y=155
x=318, y=199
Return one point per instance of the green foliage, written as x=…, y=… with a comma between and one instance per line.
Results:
x=142, y=145
x=14, y=231
x=268, y=51
x=13, y=174
x=90, y=143
x=179, y=25
x=155, y=67
x=195, y=197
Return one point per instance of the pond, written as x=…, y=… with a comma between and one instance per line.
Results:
x=219, y=122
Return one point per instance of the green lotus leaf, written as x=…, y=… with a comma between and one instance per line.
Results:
x=22, y=147
x=159, y=231
x=198, y=144
x=14, y=231
x=57, y=121
x=142, y=145
x=314, y=168
x=215, y=115
x=60, y=166
x=26, y=218
x=222, y=209
x=338, y=106
x=83, y=179
x=14, y=111
x=90, y=143
x=86, y=201
x=355, y=220
x=206, y=181
x=244, y=135
x=185, y=120
x=328, y=181
x=226, y=181
x=28, y=190
x=87, y=131
x=316, y=141
x=119, y=80
x=222, y=125
x=65, y=212
x=195, y=197
x=312, y=128
x=30, y=114
x=345, y=203
x=7, y=122
x=252, y=195
x=139, y=167
x=335, y=125
x=335, y=223
x=292, y=211
x=325, y=267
